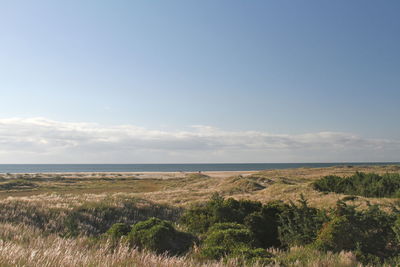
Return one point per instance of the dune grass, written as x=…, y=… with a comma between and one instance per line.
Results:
x=53, y=219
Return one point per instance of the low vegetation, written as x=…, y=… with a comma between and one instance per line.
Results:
x=231, y=240
x=371, y=234
x=220, y=225
x=362, y=184
x=89, y=218
x=160, y=236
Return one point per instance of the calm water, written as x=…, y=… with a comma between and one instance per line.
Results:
x=39, y=168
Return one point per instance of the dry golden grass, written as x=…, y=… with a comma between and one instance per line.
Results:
x=185, y=188
x=286, y=185
x=21, y=245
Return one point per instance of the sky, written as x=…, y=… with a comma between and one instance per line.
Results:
x=208, y=81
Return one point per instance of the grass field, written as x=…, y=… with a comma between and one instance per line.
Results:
x=184, y=188
x=37, y=210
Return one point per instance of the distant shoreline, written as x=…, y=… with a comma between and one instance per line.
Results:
x=169, y=168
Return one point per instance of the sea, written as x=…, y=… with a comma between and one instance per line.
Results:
x=43, y=168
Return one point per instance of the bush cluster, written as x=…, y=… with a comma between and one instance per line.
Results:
x=230, y=227
x=160, y=236
x=362, y=184
x=261, y=220
x=242, y=229
x=299, y=224
x=232, y=240
x=370, y=233
x=153, y=234
x=227, y=226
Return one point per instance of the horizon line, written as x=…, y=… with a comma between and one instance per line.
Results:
x=217, y=163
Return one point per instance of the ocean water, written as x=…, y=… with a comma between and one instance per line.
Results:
x=42, y=168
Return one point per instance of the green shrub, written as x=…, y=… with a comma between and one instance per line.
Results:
x=299, y=225
x=362, y=184
x=369, y=233
x=160, y=236
x=377, y=235
x=328, y=183
x=231, y=240
x=264, y=224
x=232, y=210
x=199, y=218
x=229, y=235
x=117, y=230
x=223, y=238
x=261, y=220
x=337, y=235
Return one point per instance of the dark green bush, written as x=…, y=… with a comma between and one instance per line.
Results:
x=118, y=230
x=160, y=236
x=223, y=238
x=261, y=220
x=232, y=210
x=264, y=224
x=369, y=233
x=362, y=184
x=232, y=240
x=229, y=235
x=336, y=235
x=199, y=218
x=377, y=236
x=372, y=234
x=299, y=225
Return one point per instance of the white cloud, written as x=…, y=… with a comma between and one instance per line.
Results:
x=39, y=140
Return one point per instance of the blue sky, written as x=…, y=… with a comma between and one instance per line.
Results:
x=238, y=68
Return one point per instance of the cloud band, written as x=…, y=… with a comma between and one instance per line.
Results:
x=40, y=140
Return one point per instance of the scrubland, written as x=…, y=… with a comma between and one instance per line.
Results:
x=61, y=219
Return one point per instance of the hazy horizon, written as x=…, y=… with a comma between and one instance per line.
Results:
x=176, y=167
